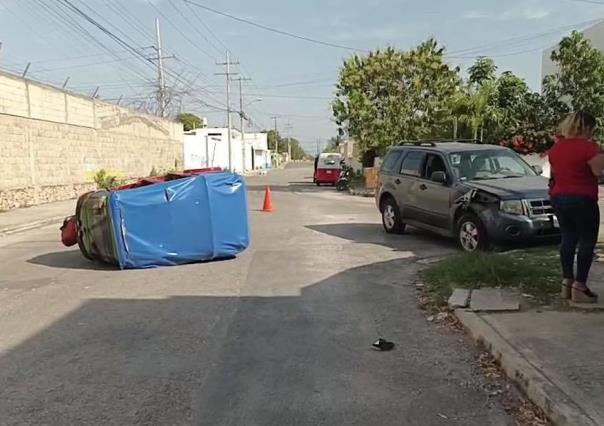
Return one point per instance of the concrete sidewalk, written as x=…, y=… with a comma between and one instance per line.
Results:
x=555, y=356
x=19, y=220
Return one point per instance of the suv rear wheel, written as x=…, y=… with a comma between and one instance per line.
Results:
x=391, y=217
x=471, y=234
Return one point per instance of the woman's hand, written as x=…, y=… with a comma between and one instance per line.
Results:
x=597, y=165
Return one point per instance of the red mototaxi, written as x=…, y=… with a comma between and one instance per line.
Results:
x=69, y=230
x=328, y=169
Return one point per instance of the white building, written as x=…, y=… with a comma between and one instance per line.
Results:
x=261, y=155
x=595, y=34
x=209, y=147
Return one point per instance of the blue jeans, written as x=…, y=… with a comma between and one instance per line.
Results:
x=579, y=219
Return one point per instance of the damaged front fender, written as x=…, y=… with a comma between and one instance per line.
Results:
x=475, y=196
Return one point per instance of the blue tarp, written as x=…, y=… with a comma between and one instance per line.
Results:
x=182, y=221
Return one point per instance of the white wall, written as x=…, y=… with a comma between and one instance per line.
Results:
x=218, y=150
x=52, y=142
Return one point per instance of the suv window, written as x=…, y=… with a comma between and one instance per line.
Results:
x=391, y=160
x=412, y=164
x=434, y=163
x=489, y=164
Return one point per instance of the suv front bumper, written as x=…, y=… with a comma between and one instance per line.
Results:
x=504, y=227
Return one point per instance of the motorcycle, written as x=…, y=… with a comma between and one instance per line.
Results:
x=343, y=182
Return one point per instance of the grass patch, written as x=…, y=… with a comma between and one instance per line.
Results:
x=532, y=271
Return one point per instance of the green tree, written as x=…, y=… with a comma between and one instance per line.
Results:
x=482, y=71
x=298, y=152
x=579, y=80
x=332, y=144
x=275, y=139
x=477, y=109
x=189, y=121
x=389, y=96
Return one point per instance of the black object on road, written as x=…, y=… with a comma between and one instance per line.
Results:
x=382, y=345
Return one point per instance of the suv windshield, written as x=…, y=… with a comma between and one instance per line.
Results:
x=489, y=164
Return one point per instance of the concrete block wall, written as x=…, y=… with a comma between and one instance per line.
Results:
x=52, y=143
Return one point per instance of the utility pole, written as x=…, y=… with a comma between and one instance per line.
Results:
x=228, y=74
x=242, y=118
x=455, y=128
x=275, y=118
x=26, y=69
x=161, y=95
x=287, y=129
x=318, y=147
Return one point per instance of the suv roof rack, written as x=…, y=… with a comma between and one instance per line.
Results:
x=418, y=143
x=433, y=142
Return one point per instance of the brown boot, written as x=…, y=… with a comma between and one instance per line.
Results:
x=583, y=295
x=566, y=289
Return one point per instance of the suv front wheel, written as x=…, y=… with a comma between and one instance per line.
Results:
x=391, y=217
x=471, y=234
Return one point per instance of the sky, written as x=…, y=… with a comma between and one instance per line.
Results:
x=291, y=79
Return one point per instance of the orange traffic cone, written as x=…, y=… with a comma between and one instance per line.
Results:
x=268, y=201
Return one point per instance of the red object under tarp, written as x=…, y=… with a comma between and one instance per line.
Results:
x=69, y=231
x=170, y=176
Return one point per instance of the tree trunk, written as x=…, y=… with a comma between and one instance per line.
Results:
x=475, y=133
x=481, y=134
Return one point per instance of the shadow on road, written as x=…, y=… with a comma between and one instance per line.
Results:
x=247, y=360
x=75, y=260
x=373, y=233
x=291, y=187
x=72, y=259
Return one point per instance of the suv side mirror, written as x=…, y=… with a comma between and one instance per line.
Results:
x=439, y=177
x=537, y=169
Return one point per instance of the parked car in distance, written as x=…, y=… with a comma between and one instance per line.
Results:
x=478, y=194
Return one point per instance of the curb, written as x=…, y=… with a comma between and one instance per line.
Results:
x=557, y=405
x=31, y=225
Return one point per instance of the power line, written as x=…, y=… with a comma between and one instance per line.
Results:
x=243, y=68
x=275, y=30
x=179, y=31
x=515, y=41
x=125, y=15
x=264, y=95
x=71, y=24
x=208, y=29
x=503, y=55
x=70, y=67
x=194, y=27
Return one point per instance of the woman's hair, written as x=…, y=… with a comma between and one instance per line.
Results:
x=578, y=125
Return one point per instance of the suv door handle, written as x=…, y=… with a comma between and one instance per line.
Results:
x=397, y=181
x=423, y=187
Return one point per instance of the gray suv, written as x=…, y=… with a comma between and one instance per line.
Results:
x=478, y=194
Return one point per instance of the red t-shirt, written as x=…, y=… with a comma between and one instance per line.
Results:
x=569, y=166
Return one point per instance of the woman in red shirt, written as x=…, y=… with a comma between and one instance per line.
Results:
x=576, y=164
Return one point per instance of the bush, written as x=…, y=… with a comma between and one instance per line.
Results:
x=534, y=144
x=106, y=180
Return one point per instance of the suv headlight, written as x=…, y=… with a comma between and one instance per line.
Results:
x=512, y=207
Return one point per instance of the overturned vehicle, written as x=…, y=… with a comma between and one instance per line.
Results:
x=195, y=216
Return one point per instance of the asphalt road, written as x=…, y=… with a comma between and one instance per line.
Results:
x=279, y=336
